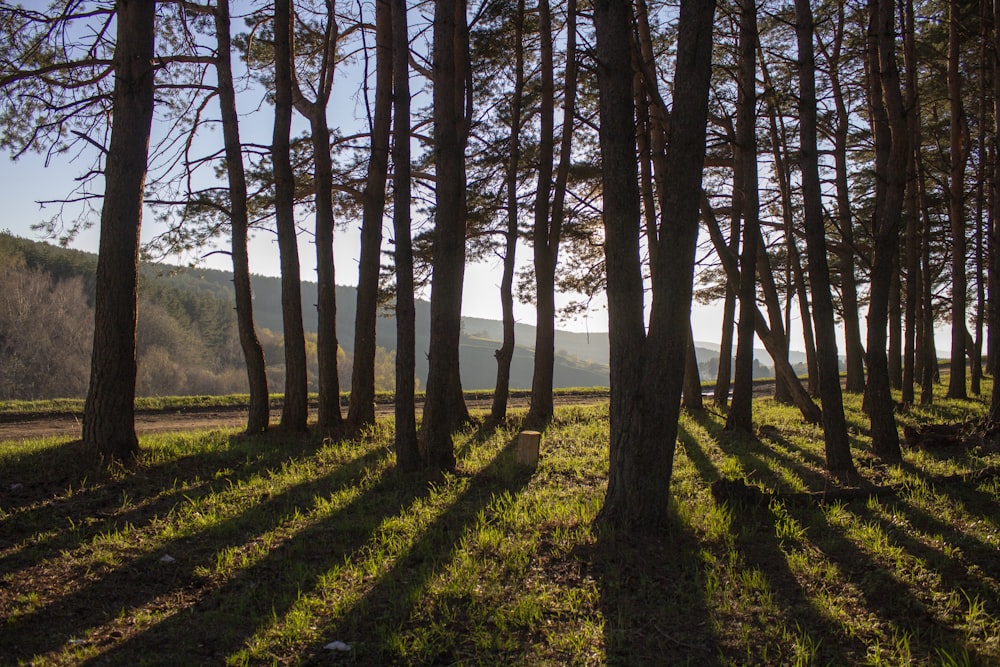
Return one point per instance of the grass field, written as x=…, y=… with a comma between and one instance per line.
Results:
x=219, y=549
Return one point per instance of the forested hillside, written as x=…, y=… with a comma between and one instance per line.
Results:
x=187, y=339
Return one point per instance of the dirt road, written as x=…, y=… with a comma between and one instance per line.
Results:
x=67, y=425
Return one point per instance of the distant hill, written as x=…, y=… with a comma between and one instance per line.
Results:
x=581, y=358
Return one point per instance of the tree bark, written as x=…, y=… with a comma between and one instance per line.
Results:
x=407, y=451
x=444, y=406
x=745, y=195
x=773, y=344
x=911, y=212
x=361, y=411
x=647, y=372
x=956, y=207
x=294, y=414
x=891, y=149
x=838, y=444
x=109, y=412
x=691, y=394
x=253, y=354
x=328, y=409
x=505, y=354
x=854, y=349
x=549, y=219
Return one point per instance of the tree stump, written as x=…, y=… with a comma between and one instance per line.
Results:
x=526, y=451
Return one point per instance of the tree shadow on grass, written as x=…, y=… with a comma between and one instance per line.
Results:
x=756, y=532
x=389, y=604
x=146, y=583
x=70, y=498
x=652, y=597
x=758, y=455
x=895, y=612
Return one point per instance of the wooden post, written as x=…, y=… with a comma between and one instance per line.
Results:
x=526, y=452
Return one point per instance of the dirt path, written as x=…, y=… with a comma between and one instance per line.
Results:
x=68, y=425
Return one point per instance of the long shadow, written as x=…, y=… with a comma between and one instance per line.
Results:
x=890, y=599
x=954, y=575
x=976, y=551
x=390, y=602
x=977, y=503
x=68, y=516
x=752, y=451
x=653, y=599
x=697, y=455
x=758, y=542
x=143, y=579
x=224, y=617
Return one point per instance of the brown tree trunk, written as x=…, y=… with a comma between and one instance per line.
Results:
x=956, y=207
x=891, y=150
x=647, y=373
x=911, y=213
x=895, y=347
x=328, y=410
x=294, y=414
x=838, y=444
x=691, y=394
x=976, y=353
x=253, y=354
x=109, y=412
x=720, y=395
x=745, y=196
x=505, y=354
x=773, y=344
x=407, y=452
x=444, y=406
x=854, y=349
x=548, y=221
x=993, y=308
x=361, y=411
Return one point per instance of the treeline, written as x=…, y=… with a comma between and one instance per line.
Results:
x=186, y=341
x=624, y=142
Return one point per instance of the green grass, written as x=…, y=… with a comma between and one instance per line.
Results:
x=221, y=549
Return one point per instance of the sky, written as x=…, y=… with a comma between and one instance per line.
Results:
x=29, y=180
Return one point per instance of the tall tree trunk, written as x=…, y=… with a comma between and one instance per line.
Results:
x=691, y=391
x=780, y=150
x=505, y=354
x=328, y=409
x=772, y=343
x=745, y=193
x=549, y=220
x=895, y=348
x=407, y=452
x=326, y=289
x=253, y=354
x=993, y=238
x=911, y=212
x=928, y=351
x=891, y=149
x=838, y=445
x=361, y=411
x=444, y=406
x=723, y=376
x=295, y=412
x=854, y=349
x=646, y=373
x=109, y=412
x=956, y=207
x=976, y=353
